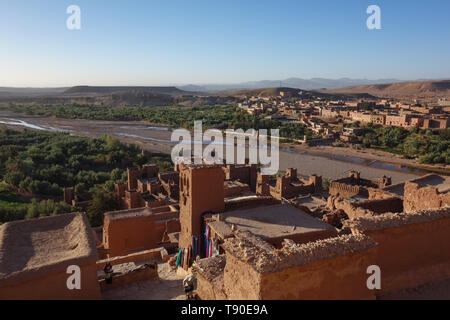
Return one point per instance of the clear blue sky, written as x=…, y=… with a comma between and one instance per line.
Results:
x=149, y=42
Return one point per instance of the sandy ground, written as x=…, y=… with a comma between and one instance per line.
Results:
x=317, y=161
x=169, y=286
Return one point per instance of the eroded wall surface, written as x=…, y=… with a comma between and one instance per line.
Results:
x=413, y=249
x=326, y=269
x=417, y=198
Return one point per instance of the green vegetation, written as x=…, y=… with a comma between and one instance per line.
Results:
x=12, y=207
x=40, y=164
x=103, y=200
x=429, y=146
x=44, y=163
x=217, y=117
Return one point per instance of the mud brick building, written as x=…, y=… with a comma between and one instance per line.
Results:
x=354, y=185
x=35, y=255
x=288, y=186
x=147, y=188
x=129, y=231
x=404, y=229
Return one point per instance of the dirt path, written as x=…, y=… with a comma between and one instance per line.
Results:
x=169, y=286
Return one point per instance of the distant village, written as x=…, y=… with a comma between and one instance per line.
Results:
x=324, y=116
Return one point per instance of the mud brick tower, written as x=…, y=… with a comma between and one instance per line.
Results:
x=201, y=191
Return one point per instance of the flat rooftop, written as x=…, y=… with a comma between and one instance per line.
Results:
x=441, y=183
x=140, y=212
x=268, y=222
x=32, y=248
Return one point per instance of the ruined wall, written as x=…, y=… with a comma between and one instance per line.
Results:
x=413, y=249
x=380, y=206
x=288, y=187
x=417, y=198
x=377, y=194
x=208, y=290
x=327, y=269
x=365, y=208
x=231, y=190
x=244, y=173
x=241, y=281
x=263, y=185
x=344, y=190
x=53, y=286
x=210, y=273
x=354, y=185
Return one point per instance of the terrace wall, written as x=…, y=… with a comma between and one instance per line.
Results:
x=413, y=249
x=327, y=269
x=343, y=277
x=53, y=286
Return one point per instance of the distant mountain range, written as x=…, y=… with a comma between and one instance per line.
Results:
x=416, y=89
x=219, y=94
x=305, y=84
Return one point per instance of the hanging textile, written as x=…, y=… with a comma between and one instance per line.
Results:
x=178, y=262
x=189, y=257
x=210, y=248
x=193, y=245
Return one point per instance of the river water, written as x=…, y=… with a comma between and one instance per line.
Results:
x=158, y=139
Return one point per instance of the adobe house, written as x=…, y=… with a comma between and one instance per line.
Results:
x=426, y=192
x=354, y=185
x=290, y=186
x=202, y=199
x=129, y=231
x=35, y=255
x=147, y=188
x=411, y=249
x=252, y=269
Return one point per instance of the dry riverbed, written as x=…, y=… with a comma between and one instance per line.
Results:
x=329, y=162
